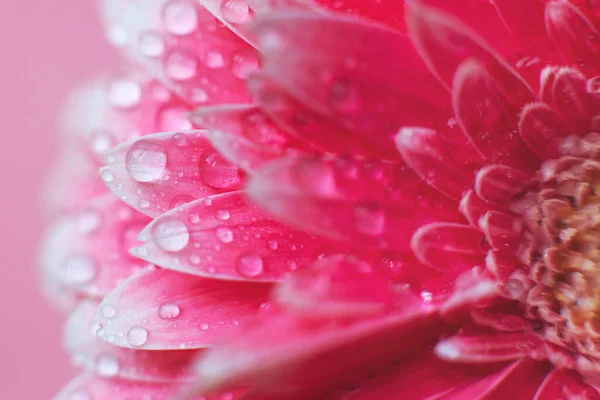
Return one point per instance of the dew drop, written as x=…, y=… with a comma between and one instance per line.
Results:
x=273, y=245
x=107, y=365
x=223, y=215
x=194, y=218
x=145, y=161
x=250, y=265
x=78, y=270
x=214, y=59
x=369, y=219
x=171, y=234
x=236, y=11
x=179, y=139
x=204, y=327
x=124, y=93
x=344, y=97
x=180, y=66
x=101, y=142
x=218, y=173
x=244, y=65
x=151, y=44
x=88, y=222
x=198, y=95
x=180, y=17
x=107, y=176
x=168, y=311
x=137, y=336
x=224, y=235
x=108, y=311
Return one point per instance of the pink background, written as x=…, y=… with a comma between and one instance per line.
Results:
x=47, y=46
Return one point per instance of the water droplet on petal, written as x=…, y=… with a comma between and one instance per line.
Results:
x=180, y=17
x=107, y=365
x=214, y=59
x=218, y=173
x=273, y=245
x=171, y=234
x=236, y=11
x=250, y=265
x=101, y=142
x=180, y=66
x=204, y=327
x=223, y=215
x=78, y=270
x=194, y=218
x=108, y=311
x=369, y=219
x=224, y=235
x=344, y=97
x=168, y=311
x=124, y=93
x=107, y=176
x=145, y=161
x=151, y=44
x=88, y=222
x=180, y=140
x=137, y=336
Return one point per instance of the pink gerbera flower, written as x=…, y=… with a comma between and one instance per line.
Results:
x=372, y=199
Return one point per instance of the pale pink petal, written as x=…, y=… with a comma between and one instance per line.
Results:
x=489, y=348
x=519, y=380
x=425, y=152
x=504, y=317
x=563, y=384
x=473, y=207
x=542, y=129
x=158, y=172
x=365, y=204
x=86, y=251
x=183, y=45
x=335, y=69
x=307, y=125
x=472, y=288
x=290, y=355
x=406, y=380
x=110, y=361
x=448, y=245
x=499, y=184
x=87, y=386
x=503, y=231
x=160, y=309
x=573, y=34
x=227, y=237
x=475, y=92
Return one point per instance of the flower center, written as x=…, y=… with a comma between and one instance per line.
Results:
x=563, y=231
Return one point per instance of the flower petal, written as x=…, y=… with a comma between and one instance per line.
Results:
x=110, y=361
x=364, y=204
x=183, y=45
x=448, y=245
x=86, y=251
x=489, y=348
x=158, y=172
x=499, y=184
x=423, y=150
x=336, y=70
x=542, y=129
x=160, y=309
x=561, y=384
x=572, y=100
x=476, y=93
x=326, y=356
x=226, y=237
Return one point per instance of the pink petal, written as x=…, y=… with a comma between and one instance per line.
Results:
x=572, y=100
x=489, y=348
x=386, y=12
x=421, y=377
x=445, y=43
x=226, y=237
x=284, y=354
x=337, y=286
x=472, y=288
x=448, y=245
x=519, y=380
x=320, y=131
x=573, y=34
x=499, y=184
x=183, y=45
x=86, y=251
x=160, y=309
x=335, y=70
x=110, y=361
x=473, y=207
x=424, y=151
x=88, y=386
x=563, y=384
x=504, y=317
x=502, y=231
x=542, y=129
x=159, y=172
x=362, y=203
x=476, y=93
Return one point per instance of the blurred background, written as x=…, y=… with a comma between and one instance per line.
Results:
x=47, y=47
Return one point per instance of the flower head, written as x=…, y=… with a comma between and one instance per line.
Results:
x=345, y=200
